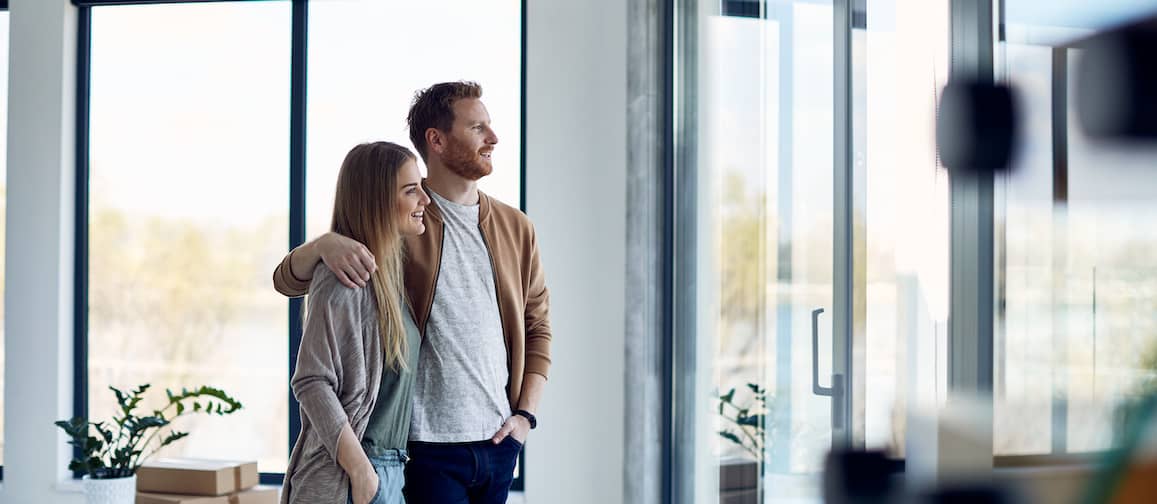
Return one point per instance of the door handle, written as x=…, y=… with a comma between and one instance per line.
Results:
x=836, y=391
x=816, y=388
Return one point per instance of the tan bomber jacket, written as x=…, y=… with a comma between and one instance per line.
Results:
x=523, y=299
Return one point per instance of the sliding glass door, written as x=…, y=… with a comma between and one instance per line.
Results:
x=819, y=220
x=763, y=128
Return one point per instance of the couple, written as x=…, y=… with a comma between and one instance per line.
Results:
x=427, y=340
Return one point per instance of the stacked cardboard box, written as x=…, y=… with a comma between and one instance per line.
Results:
x=199, y=481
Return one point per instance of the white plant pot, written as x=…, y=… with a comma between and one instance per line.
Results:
x=110, y=491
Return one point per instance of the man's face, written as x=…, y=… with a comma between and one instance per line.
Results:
x=470, y=140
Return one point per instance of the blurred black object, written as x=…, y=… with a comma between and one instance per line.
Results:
x=859, y=477
x=967, y=494
x=976, y=126
x=1117, y=83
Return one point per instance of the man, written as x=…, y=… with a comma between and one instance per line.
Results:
x=479, y=298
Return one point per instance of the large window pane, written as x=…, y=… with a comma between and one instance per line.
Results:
x=188, y=213
x=900, y=64
x=367, y=58
x=3, y=198
x=765, y=176
x=1077, y=336
x=765, y=172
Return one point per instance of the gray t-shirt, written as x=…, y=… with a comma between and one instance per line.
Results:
x=460, y=391
x=389, y=425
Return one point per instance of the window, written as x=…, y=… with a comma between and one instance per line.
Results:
x=768, y=227
x=187, y=216
x=775, y=236
x=765, y=227
x=189, y=168
x=1076, y=338
x=900, y=63
x=363, y=77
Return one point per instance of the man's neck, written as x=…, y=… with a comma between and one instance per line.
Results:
x=452, y=186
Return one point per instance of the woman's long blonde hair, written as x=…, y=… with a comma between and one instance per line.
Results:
x=365, y=209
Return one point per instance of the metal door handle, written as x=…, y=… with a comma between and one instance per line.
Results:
x=816, y=388
x=836, y=391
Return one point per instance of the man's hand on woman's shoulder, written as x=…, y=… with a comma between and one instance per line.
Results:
x=349, y=260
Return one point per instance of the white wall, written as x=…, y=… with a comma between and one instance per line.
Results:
x=576, y=195
x=39, y=268
x=576, y=165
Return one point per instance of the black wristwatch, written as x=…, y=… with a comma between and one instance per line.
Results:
x=528, y=416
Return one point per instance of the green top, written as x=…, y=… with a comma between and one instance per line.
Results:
x=389, y=425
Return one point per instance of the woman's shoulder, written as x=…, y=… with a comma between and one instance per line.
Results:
x=326, y=285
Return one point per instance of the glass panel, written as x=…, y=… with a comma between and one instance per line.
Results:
x=1077, y=337
x=765, y=138
x=362, y=78
x=1023, y=374
x=3, y=198
x=900, y=63
x=189, y=183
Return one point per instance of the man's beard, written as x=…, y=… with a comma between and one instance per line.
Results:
x=467, y=164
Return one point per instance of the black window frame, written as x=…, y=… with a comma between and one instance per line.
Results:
x=297, y=191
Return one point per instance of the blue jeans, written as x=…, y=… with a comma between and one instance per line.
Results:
x=461, y=473
x=390, y=467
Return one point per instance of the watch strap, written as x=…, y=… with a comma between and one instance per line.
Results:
x=528, y=416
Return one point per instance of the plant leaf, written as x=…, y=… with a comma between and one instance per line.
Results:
x=728, y=435
x=728, y=396
x=752, y=420
x=173, y=436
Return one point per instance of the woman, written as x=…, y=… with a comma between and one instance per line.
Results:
x=355, y=368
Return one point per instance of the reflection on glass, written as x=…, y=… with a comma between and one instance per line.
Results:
x=3, y=198
x=367, y=58
x=765, y=177
x=1076, y=340
x=189, y=180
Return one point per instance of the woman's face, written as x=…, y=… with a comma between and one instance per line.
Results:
x=412, y=200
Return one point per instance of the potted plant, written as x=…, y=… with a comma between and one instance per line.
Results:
x=747, y=426
x=108, y=454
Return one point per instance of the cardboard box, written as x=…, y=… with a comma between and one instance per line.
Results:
x=196, y=476
x=257, y=495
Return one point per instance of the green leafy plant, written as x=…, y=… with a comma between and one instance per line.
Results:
x=747, y=423
x=118, y=448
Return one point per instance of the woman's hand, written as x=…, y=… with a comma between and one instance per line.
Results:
x=355, y=463
x=364, y=485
